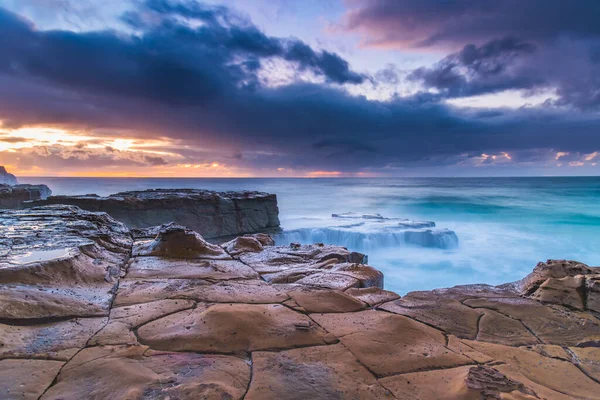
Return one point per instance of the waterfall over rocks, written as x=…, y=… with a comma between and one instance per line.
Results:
x=369, y=232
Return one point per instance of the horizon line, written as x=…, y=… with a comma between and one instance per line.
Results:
x=306, y=177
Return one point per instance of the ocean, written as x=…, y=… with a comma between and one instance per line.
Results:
x=504, y=226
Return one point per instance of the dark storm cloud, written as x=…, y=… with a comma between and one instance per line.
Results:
x=508, y=44
x=191, y=72
x=430, y=22
x=493, y=67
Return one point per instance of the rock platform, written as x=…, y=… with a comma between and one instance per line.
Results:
x=91, y=311
x=212, y=214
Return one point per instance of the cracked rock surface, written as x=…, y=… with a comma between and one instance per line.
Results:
x=90, y=310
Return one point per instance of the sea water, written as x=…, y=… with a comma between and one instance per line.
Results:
x=504, y=225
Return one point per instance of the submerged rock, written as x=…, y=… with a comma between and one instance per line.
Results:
x=369, y=232
x=212, y=214
x=440, y=238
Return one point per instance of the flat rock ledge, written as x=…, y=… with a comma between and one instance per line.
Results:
x=16, y=196
x=88, y=311
x=211, y=214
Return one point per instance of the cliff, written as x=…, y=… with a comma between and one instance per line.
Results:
x=89, y=311
x=15, y=196
x=212, y=214
x=6, y=178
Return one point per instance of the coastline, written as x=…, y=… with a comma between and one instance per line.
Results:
x=100, y=314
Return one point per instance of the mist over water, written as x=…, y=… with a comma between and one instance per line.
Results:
x=504, y=225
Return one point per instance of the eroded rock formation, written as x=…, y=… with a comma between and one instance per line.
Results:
x=16, y=196
x=89, y=311
x=212, y=214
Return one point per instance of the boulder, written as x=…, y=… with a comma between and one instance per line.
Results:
x=16, y=196
x=556, y=269
x=211, y=214
x=175, y=241
x=6, y=178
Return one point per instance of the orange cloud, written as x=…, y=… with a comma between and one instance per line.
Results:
x=316, y=174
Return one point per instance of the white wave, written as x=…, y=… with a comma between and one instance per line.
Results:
x=367, y=233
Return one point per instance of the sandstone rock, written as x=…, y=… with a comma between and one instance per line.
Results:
x=53, y=340
x=548, y=377
x=26, y=379
x=211, y=214
x=390, y=344
x=568, y=291
x=16, y=196
x=588, y=359
x=163, y=268
x=123, y=320
x=232, y=328
x=74, y=288
x=133, y=291
x=432, y=308
x=263, y=238
x=323, y=280
x=314, y=300
x=462, y=383
x=6, y=178
x=25, y=302
x=243, y=244
x=135, y=372
x=372, y=295
x=497, y=328
x=320, y=373
x=552, y=325
x=61, y=245
x=459, y=346
x=551, y=269
x=281, y=258
x=330, y=275
x=550, y=350
x=592, y=286
x=175, y=241
x=55, y=263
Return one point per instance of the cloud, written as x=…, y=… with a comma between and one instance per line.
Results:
x=408, y=23
x=502, y=47
x=191, y=73
x=493, y=67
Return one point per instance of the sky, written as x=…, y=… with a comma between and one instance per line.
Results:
x=282, y=88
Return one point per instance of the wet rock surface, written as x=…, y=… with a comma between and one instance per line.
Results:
x=211, y=214
x=89, y=310
x=16, y=196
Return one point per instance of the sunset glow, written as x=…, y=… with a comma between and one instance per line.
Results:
x=167, y=88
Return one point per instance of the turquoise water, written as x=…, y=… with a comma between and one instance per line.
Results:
x=504, y=225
